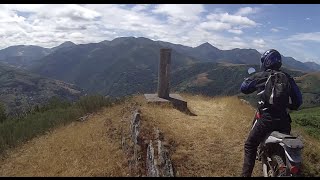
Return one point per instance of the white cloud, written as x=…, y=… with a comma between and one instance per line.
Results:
x=180, y=12
x=7, y=16
x=49, y=25
x=237, y=38
x=235, y=44
x=74, y=12
x=294, y=46
x=246, y=11
x=274, y=30
x=260, y=43
x=214, y=25
x=224, y=21
x=200, y=35
x=233, y=19
x=24, y=7
x=76, y=35
x=314, y=36
x=283, y=28
x=45, y=25
x=218, y=11
x=297, y=44
x=140, y=7
x=235, y=31
x=277, y=29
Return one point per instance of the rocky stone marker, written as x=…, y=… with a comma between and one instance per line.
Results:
x=163, y=92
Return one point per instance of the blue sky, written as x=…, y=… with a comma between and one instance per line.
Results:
x=293, y=29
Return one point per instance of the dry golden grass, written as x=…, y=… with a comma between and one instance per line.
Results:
x=78, y=149
x=209, y=144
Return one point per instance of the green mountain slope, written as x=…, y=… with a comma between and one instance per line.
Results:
x=21, y=90
x=213, y=79
x=309, y=84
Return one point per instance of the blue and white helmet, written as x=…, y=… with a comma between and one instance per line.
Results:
x=271, y=59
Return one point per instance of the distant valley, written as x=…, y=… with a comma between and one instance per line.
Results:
x=20, y=90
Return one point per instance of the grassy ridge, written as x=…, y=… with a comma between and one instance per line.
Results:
x=309, y=119
x=209, y=144
x=57, y=112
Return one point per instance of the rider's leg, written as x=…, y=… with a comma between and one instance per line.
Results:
x=258, y=132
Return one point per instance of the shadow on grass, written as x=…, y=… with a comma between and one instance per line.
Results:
x=181, y=106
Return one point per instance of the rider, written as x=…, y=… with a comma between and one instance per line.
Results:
x=270, y=120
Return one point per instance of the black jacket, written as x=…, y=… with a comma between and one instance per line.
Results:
x=257, y=81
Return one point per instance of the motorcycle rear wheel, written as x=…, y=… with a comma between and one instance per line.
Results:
x=276, y=167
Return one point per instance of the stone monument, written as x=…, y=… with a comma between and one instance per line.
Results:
x=163, y=91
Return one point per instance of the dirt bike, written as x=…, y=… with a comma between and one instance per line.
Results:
x=280, y=154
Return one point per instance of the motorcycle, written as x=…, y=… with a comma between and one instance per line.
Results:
x=280, y=154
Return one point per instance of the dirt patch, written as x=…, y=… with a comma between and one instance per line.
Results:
x=201, y=80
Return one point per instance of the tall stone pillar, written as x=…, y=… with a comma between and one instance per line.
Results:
x=164, y=73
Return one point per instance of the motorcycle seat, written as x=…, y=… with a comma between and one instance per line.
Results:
x=279, y=135
x=293, y=143
x=288, y=140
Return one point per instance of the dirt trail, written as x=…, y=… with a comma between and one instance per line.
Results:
x=209, y=144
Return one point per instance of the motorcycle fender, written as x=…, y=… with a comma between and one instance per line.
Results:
x=272, y=139
x=293, y=154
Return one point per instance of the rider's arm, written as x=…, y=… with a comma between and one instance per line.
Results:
x=295, y=95
x=248, y=85
x=254, y=82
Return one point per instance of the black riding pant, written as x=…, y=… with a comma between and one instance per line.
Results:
x=258, y=133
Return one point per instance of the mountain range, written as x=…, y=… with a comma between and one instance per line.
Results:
x=23, y=56
x=26, y=56
x=129, y=65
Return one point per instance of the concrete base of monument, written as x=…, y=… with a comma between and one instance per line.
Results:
x=175, y=99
